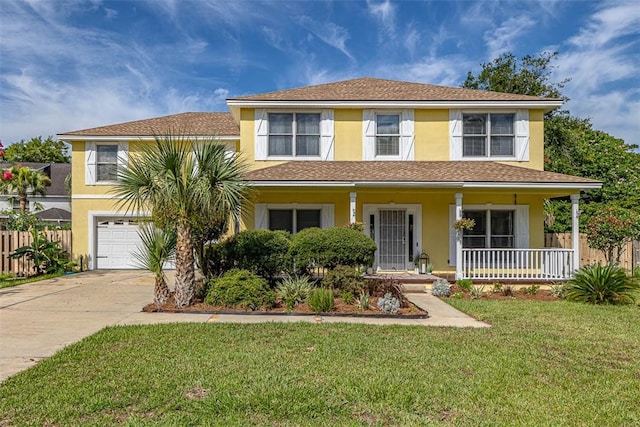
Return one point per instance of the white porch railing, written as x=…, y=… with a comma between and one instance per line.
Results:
x=517, y=264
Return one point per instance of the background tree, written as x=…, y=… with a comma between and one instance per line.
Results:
x=38, y=150
x=184, y=182
x=22, y=181
x=610, y=229
x=572, y=146
x=529, y=75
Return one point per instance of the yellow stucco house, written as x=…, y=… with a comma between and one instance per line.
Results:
x=405, y=159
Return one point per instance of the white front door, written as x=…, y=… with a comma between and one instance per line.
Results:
x=397, y=231
x=392, y=240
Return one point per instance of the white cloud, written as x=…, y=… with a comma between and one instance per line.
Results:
x=385, y=13
x=443, y=71
x=602, y=56
x=330, y=33
x=503, y=38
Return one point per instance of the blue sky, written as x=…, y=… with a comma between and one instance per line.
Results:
x=67, y=65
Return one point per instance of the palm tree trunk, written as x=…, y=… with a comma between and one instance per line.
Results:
x=23, y=204
x=185, y=273
x=161, y=291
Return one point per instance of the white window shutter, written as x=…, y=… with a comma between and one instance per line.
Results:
x=408, y=135
x=452, y=235
x=261, y=134
x=368, y=134
x=90, y=163
x=455, y=134
x=522, y=135
x=522, y=227
x=260, y=213
x=327, y=216
x=327, y=137
x=123, y=154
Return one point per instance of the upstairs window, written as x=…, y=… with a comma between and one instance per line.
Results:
x=387, y=135
x=488, y=135
x=294, y=134
x=107, y=163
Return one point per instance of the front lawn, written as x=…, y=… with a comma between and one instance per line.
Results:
x=9, y=281
x=554, y=363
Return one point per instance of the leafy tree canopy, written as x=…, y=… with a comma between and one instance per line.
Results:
x=529, y=75
x=38, y=150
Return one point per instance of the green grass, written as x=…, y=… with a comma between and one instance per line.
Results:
x=8, y=282
x=554, y=363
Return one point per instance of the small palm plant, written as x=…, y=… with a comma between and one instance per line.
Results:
x=158, y=247
x=597, y=284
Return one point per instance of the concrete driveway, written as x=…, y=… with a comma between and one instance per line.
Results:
x=39, y=319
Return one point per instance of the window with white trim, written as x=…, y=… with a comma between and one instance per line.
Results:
x=294, y=134
x=488, y=135
x=102, y=160
x=493, y=229
x=294, y=220
x=106, y=162
x=387, y=135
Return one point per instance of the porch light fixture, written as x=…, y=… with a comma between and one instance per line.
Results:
x=424, y=261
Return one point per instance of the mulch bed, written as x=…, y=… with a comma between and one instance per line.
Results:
x=411, y=311
x=518, y=294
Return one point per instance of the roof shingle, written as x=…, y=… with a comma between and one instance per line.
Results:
x=370, y=89
x=193, y=124
x=409, y=171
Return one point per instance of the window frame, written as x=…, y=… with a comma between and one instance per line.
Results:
x=383, y=135
x=91, y=157
x=294, y=135
x=489, y=134
x=98, y=163
x=488, y=235
x=294, y=211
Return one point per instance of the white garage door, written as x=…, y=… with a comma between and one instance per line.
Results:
x=118, y=239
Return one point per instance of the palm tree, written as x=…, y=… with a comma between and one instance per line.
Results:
x=24, y=181
x=158, y=247
x=182, y=181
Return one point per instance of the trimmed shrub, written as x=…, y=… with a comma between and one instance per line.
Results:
x=321, y=300
x=597, y=284
x=240, y=289
x=331, y=247
x=388, y=304
x=343, y=279
x=441, y=288
x=294, y=290
x=263, y=252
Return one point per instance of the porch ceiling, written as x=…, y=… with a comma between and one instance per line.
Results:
x=457, y=174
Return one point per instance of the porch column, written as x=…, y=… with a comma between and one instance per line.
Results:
x=458, y=238
x=575, y=230
x=352, y=206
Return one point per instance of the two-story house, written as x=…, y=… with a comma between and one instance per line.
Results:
x=406, y=159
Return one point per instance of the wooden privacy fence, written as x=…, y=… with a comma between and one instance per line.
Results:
x=12, y=240
x=589, y=255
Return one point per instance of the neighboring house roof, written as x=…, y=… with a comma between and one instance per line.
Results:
x=54, y=214
x=192, y=124
x=423, y=173
x=57, y=172
x=371, y=89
